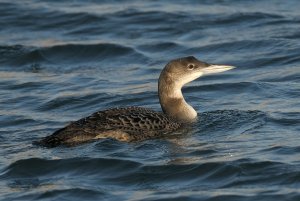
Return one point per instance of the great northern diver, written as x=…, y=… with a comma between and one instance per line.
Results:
x=137, y=123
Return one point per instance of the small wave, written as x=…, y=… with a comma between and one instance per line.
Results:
x=121, y=172
x=38, y=59
x=86, y=102
x=286, y=120
x=228, y=120
x=284, y=150
x=76, y=166
x=15, y=121
x=269, y=173
x=134, y=175
x=225, y=87
x=242, y=45
x=74, y=194
x=159, y=48
x=11, y=53
x=247, y=16
x=34, y=18
x=76, y=53
x=149, y=17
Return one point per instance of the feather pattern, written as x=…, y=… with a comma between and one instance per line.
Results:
x=124, y=124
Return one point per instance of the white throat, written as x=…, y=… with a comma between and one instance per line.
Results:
x=171, y=99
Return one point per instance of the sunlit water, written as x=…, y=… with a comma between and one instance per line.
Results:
x=63, y=60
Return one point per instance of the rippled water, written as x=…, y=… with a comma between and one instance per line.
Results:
x=63, y=60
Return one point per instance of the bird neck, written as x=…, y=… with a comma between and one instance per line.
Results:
x=172, y=101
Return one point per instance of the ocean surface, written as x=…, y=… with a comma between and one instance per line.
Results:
x=63, y=60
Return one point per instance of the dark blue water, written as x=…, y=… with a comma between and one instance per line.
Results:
x=63, y=60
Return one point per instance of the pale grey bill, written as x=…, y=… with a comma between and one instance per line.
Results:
x=216, y=69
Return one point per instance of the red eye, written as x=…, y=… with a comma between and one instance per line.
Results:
x=191, y=66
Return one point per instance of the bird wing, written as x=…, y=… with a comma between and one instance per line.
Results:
x=129, y=119
x=131, y=123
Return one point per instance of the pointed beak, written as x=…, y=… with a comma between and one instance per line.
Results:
x=213, y=68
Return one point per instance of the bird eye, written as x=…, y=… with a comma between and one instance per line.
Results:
x=191, y=66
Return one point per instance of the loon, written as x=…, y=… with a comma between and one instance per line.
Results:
x=137, y=123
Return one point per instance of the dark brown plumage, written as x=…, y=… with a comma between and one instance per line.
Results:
x=124, y=124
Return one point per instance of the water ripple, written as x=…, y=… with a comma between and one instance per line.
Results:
x=63, y=60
